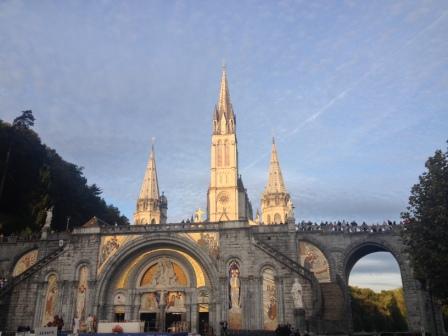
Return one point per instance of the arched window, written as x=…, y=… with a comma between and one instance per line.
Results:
x=219, y=154
x=51, y=299
x=277, y=218
x=153, y=221
x=226, y=153
x=81, y=293
x=269, y=291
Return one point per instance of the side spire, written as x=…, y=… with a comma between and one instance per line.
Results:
x=275, y=181
x=150, y=185
x=276, y=204
x=151, y=207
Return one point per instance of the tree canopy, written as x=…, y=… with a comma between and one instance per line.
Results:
x=426, y=226
x=384, y=311
x=35, y=177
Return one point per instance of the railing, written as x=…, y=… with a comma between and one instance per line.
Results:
x=30, y=271
x=295, y=267
x=350, y=228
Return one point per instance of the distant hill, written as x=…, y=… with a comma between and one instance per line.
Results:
x=384, y=311
x=36, y=177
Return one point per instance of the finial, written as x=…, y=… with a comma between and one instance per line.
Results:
x=273, y=140
x=153, y=141
x=223, y=64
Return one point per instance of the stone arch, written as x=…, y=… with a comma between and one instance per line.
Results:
x=79, y=264
x=19, y=259
x=266, y=265
x=361, y=248
x=325, y=251
x=312, y=257
x=143, y=244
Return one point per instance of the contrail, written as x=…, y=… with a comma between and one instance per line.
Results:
x=350, y=88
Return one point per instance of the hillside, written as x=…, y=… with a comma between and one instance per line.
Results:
x=35, y=177
x=384, y=311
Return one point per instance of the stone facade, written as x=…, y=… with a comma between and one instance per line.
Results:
x=252, y=274
x=204, y=253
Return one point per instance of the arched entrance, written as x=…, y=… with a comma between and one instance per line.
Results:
x=166, y=283
x=356, y=252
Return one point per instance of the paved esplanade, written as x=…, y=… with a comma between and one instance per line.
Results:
x=252, y=273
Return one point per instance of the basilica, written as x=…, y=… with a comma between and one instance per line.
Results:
x=228, y=268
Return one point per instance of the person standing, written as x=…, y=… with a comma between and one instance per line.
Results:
x=76, y=325
x=89, y=322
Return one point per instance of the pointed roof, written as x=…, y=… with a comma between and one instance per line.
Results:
x=150, y=185
x=275, y=181
x=224, y=106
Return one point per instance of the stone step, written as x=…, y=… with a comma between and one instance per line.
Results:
x=333, y=301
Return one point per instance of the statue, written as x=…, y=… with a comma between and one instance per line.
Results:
x=165, y=275
x=48, y=218
x=198, y=216
x=297, y=294
x=290, y=208
x=81, y=302
x=234, y=288
x=47, y=226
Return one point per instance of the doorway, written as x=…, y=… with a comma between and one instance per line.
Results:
x=203, y=323
x=150, y=320
x=171, y=319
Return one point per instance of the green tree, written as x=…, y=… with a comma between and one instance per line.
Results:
x=426, y=230
x=35, y=177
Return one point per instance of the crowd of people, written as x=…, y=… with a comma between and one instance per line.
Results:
x=287, y=330
x=348, y=226
x=57, y=322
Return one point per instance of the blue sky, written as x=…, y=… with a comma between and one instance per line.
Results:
x=354, y=91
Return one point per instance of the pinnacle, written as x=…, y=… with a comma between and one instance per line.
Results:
x=150, y=185
x=275, y=181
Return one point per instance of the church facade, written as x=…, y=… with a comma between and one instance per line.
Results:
x=251, y=272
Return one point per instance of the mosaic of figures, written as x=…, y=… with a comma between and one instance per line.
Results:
x=109, y=246
x=208, y=241
x=51, y=298
x=172, y=302
x=270, y=320
x=314, y=260
x=164, y=273
x=234, y=296
x=81, y=294
x=25, y=262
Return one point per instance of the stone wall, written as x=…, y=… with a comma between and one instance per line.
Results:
x=236, y=242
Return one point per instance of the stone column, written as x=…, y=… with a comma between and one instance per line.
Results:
x=193, y=311
x=162, y=307
x=258, y=301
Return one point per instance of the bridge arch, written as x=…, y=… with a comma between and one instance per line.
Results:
x=384, y=243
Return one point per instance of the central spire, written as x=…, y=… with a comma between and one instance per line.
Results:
x=224, y=104
x=224, y=118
